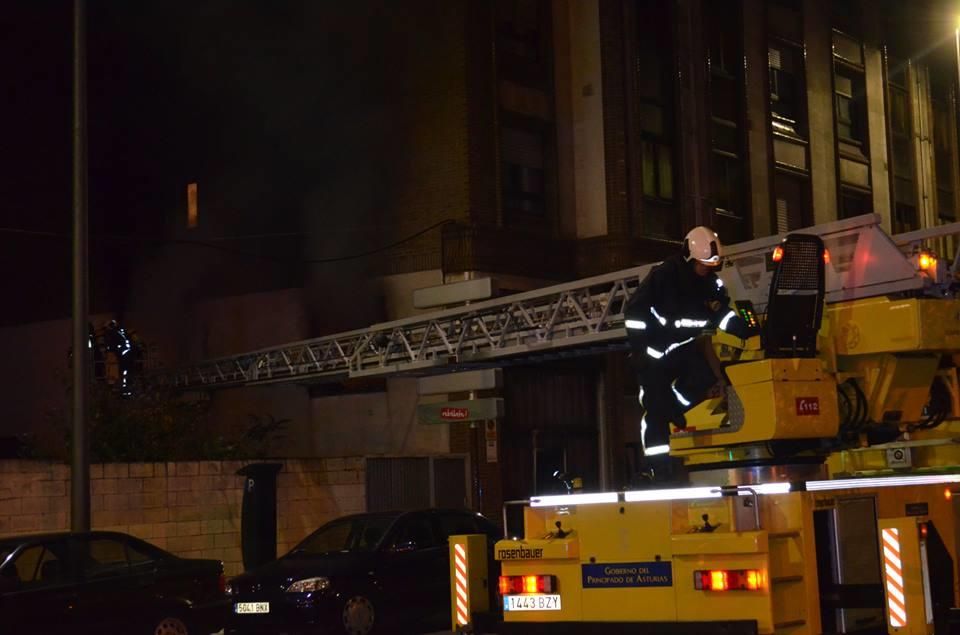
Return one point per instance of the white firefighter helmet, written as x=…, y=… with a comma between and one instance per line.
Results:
x=702, y=244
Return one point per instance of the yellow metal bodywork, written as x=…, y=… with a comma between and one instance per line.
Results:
x=893, y=349
x=631, y=536
x=897, y=387
x=723, y=550
x=783, y=549
x=730, y=348
x=794, y=580
x=777, y=397
x=639, y=535
x=885, y=325
x=926, y=450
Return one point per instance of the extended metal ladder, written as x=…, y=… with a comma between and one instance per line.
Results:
x=579, y=317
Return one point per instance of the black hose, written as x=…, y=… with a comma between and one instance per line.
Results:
x=862, y=405
x=856, y=406
x=846, y=409
x=938, y=408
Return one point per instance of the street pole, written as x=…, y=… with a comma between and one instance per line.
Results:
x=80, y=466
x=956, y=94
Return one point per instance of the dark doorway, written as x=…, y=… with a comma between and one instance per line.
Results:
x=848, y=567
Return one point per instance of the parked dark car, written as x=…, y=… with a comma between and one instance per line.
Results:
x=384, y=572
x=106, y=582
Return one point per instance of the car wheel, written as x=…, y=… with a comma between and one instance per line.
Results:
x=359, y=616
x=169, y=625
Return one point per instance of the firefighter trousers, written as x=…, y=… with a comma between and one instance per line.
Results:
x=668, y=388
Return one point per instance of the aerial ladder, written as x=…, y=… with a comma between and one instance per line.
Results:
x=821, y=484
x=576, y=318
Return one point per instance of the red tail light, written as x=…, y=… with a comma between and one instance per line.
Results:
x=222, y=583
x=517, y=584
x=728, y=580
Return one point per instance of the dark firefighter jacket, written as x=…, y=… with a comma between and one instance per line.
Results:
x=673, y=305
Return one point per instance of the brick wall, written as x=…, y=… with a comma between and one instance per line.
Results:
x=614, y=115
x=424, y=154
x=191, y=509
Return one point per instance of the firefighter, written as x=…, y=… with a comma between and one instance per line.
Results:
x=121, y=356
x=673, y=306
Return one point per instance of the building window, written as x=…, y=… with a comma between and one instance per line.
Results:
x=850, y=95
x=725, y=63
x=725, y=54
x=900, y=120
x=944, y=136
x=727, y=184
x=788, y=117
x=523, y=52
x=854, y=202
x=788, y=106
x=526, y=99
x=657, y=159
x=791, y=201
x=850, y=115
x=846, y=17
x=850, y=98
x=653, y=97
x=785, y=21
x=192, y=210
x=522, y=170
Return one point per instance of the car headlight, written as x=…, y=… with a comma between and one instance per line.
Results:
x=228, y=588
x=309, y=585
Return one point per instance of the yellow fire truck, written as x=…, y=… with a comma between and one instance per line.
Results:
x=821, y=485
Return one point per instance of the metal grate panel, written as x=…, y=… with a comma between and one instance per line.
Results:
x=800, y=269
x=398, y=484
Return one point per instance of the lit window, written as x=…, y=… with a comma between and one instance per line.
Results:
x=192, y=212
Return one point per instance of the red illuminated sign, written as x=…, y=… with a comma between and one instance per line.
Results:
x=454, y=413
x=808, y=406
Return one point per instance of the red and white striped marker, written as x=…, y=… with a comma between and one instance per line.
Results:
x=893, y=572
x=460, y=570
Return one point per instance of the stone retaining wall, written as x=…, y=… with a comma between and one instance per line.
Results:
x=190, y=508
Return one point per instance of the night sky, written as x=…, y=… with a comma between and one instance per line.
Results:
x=260, y=102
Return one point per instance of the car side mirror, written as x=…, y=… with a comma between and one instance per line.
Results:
x=404, y=547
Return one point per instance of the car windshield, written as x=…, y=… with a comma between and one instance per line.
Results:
x=362, y=533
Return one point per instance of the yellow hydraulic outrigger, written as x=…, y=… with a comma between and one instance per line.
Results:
x=821, y=484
